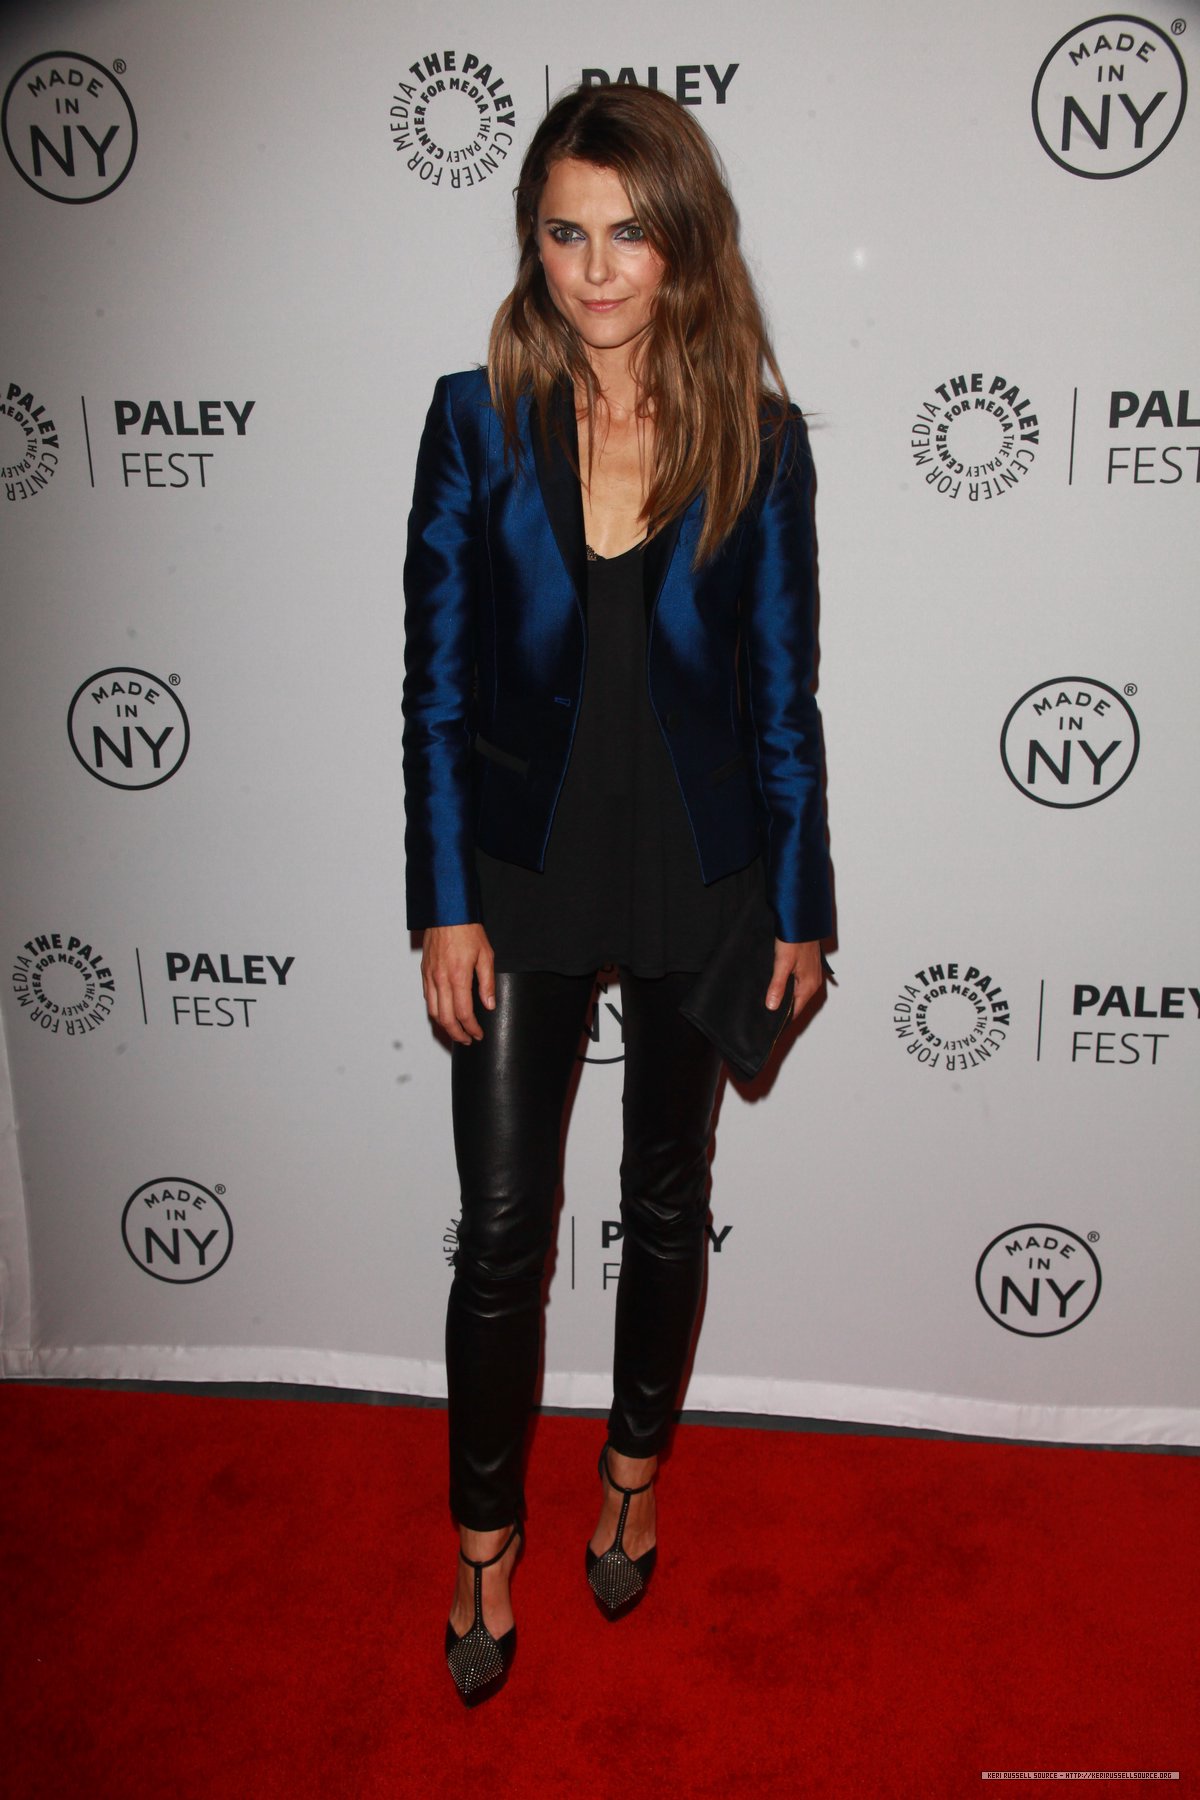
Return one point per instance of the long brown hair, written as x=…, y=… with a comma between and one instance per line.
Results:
x=702, y=365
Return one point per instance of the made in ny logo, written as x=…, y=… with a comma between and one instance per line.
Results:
x=1070, y=742
x=69, y=127
x=29, y=447
x=1110, y=96
x=453, y=122
x=177, y=1231
x=604, y=1034
x=128, y=728
x=975, y=437
x=1039, y=1280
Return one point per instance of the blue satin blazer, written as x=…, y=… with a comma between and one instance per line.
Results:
x=496, y=641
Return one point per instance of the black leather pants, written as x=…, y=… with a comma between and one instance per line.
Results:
x=508, y=1093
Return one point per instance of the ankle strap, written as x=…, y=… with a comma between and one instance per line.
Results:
x=487, y=1561
x=615, y=1485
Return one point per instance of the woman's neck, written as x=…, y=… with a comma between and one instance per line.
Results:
x=620, y=393
x=616, y=442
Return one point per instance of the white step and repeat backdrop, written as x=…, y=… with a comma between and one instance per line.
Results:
x=241, y=242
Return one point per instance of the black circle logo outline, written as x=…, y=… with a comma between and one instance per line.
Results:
x=139, y=787
x=1069, y=805
x=1063, y=1231
x=162, y=1181
x=1109, y=174
x=69, y=199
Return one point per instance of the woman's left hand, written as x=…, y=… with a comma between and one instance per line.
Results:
x=804, y=962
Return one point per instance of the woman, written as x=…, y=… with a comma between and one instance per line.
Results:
x=620, y=494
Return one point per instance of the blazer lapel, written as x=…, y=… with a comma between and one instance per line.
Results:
x=560, y=484
x=656, y=560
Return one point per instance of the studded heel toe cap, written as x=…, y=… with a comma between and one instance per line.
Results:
x=477, y=1661
x=477, y=1658
x=617, y=1581
x=614, y=1579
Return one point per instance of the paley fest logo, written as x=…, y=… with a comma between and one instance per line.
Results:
x=1039, y=1280
x=209, y=990
x=690, y=83
x=177, y=1230
x=165, y=445
x=63, y=984
x=611, y=1233
x=1125, y=1024
x=975, y=437
x=69, y=127
x=128, y=728
x=1070, y=742
x=1152, y=438
x=29, y=446
x=951, y=1016
x=1110, y=96
x=454, y=121
x=613, y=1230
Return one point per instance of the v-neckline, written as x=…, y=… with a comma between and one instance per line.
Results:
x=594, y=556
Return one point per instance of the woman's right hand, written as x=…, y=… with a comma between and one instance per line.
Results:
x=451, y=957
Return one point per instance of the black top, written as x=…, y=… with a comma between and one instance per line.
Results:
x=622, y=878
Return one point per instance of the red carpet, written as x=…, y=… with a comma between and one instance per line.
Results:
x=210, y=1597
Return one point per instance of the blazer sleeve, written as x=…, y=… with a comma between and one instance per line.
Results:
x=779, y=645
x=439, y=666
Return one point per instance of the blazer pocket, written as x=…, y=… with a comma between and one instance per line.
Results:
x=726, y=769
x=505, y=758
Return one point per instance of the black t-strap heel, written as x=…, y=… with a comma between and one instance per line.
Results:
x=617, y=1581
x=478, y=1662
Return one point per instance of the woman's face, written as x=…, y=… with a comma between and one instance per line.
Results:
x=601, y=272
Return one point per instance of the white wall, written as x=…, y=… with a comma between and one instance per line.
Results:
x=268, y=243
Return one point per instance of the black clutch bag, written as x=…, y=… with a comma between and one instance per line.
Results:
x=725, y=1001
